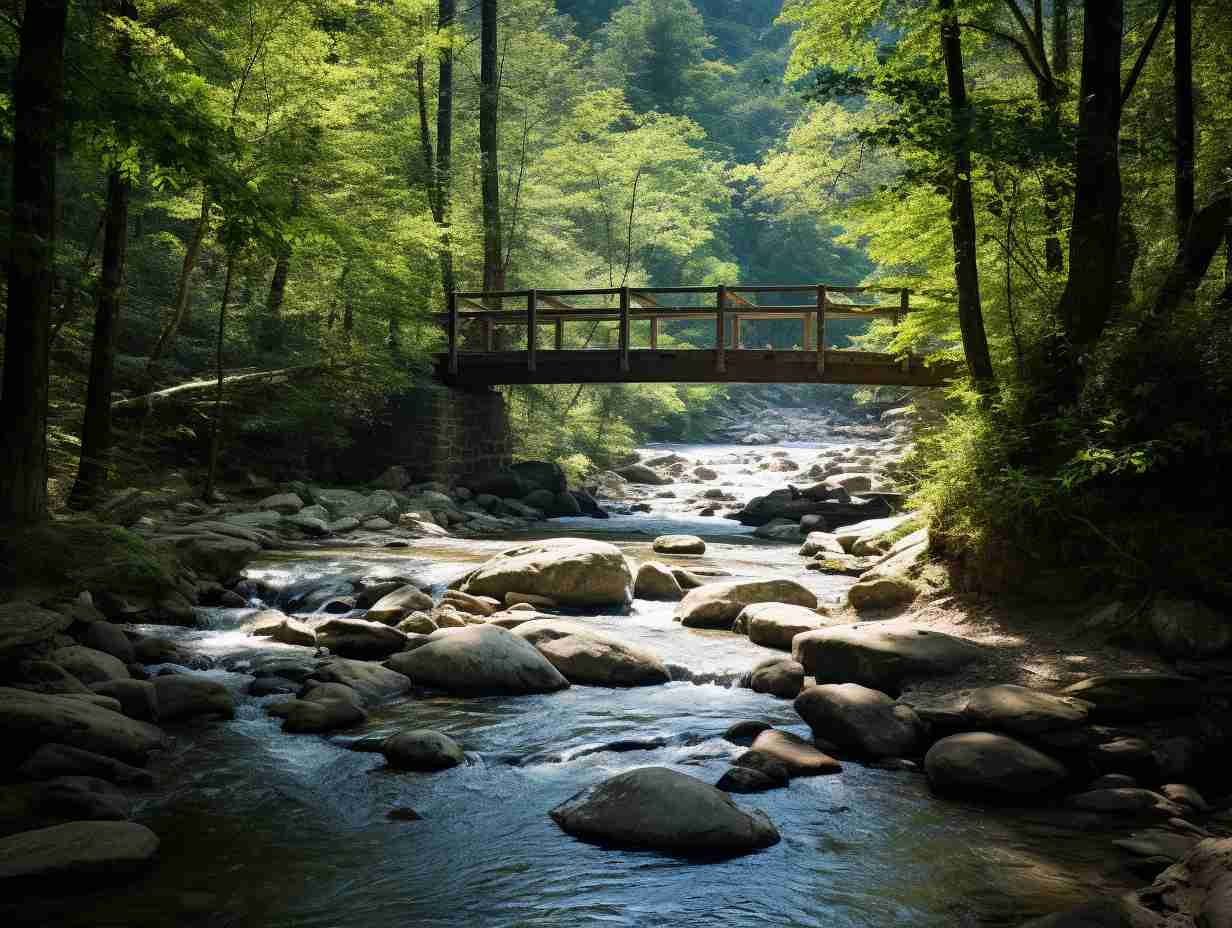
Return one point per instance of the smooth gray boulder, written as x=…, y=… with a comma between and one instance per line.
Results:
x=90, y=666
x=640, y=473
x=1018, y=710
x=277, y=626
x=479, y=659
x=184, y=695
x=866, y=722
x=881, y=593
x=422, y=749
x=1137, y=697
x=31, y=719
x=137, y=698
x=571, y=571
x=591, y=658
x=372, y=682
x=1188, y=628
x=110, y=639
x=991, y=765
x=774, y=625
x=323, y=707
x=717, y=605
x=881, y=658
x=778, y=676
x=77, y=850
x=656, y=581
x=655, y=807
x=393, y=607
x=360, y=639
x=820, y=543
x=679, y=544
x=799, y=757
x=23, y=625
x=61, y=760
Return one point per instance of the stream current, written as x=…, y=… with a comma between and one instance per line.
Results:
x=264, y=828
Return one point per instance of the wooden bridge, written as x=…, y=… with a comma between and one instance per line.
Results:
x=482, y=351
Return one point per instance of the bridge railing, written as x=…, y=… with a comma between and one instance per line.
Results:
x=731, y=307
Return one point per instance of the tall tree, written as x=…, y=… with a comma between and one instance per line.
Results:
x=444, y=140
x=962, y=206
x=1182, y=63
x=38, y=102
x=489, y=106
x=94, y=461
x=1094, y=266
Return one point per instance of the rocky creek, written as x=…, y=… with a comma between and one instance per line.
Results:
x=260, y=826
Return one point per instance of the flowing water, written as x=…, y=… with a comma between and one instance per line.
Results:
x=263, y=828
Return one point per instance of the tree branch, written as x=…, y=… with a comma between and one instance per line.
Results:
x=1136, y=72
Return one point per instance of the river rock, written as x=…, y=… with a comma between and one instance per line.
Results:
x=421, y=749
x=679, y=544
x=881, y=658
x=656, y=581
x=1187, y=628
x=417, y=623
x=991, y=765
x=1018, y=710
x=778, y=676
x=641, y=474
x=324, y=707
x=77, y=850
x=746, y=780
x=1137, y=697
x=866, y=722
x=137, y=698
x=779, y=530
x=1195, y=891
x=473, y=605
x=479, y=659
x=360, y=639
x=820, y=543
x=277, y=626
x=659, y=808
x=185, y=695
x=1186, y=795
x=1126, y=800
x=571, y=571
x=40, y=676
x=78, y=798
x=774, y=625
x=591, y=658
x=110, y=639
x=717, y=605
x=24, y=625
x=861, y=533
x=151, y=649
x=799, y=757
x=31, y=719
x=89, y=665
x=881, y=593
x=394, y=606
x=60, y=760
x=285, y=503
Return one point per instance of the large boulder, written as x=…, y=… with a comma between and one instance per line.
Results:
x=660, y=808
x=866, y=722
x=110, y=639
x=640, y=473
x=1018, y=710
x=777, y=676
x=421, y=749
x=572, y=571
x=1137, y=697
x=323, y=707
x=31, y=719
x=820, y=543
x=277, y=626
x=799, y=757
x=77, y=850
x=991, y=765
x=138, y=699
x=679, y=544
x=393, y=607
x=24, y=625
x=286, y=503
x=774, y=625
x=372, y=682
x=360, y=639
x=1190, y=629
x=479, y=659
x=717, y=605
x=881, y=658
x=60, y=760
x=540, y=475
x=590, y=658
x=656, y=581
x=881, y=593
x=185, y=695
x=89, y=665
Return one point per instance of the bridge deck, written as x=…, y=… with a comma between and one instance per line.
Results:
x=472, y=358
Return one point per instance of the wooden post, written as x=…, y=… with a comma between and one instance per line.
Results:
x=654, y=331
x=532, y=323
x=624, y=330
x=821, y=331
x=807, y=323
x=560, y=334
x=451, y=329
x=720, y=331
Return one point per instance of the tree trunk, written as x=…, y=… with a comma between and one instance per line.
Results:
x=1050, y=95
x=444, y=144
x=38, y=102
x=962, y=209
x=95, y=457
x=271, y=331
x=1086, y=304
x=179, y=308
x=1206, y=231
x=68, y=309
x=1185, y=149
x=489, y=100
x=211, y=477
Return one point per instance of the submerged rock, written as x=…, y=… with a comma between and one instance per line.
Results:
x=659, y=808
x=422, y=749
